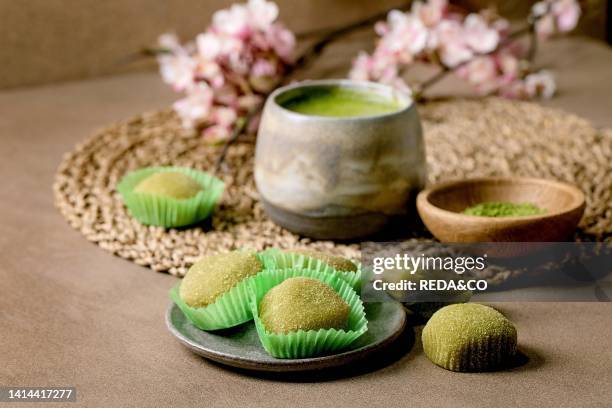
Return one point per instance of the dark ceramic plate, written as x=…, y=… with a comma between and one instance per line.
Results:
x=240, y=346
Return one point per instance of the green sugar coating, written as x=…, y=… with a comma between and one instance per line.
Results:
x=303, y=304
x=340, y=101
x=337, y=262
x=214, y=275
x=502, y=209
x=169, y=184
x=469, y=337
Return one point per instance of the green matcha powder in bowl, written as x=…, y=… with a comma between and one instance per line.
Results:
x=503, y=209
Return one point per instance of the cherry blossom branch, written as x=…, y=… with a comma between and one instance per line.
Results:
x=239, y=128
x=228, y=71
x=419, y=89
x=474, y=45
x=533, y=43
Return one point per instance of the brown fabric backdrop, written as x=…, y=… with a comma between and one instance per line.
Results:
x=45, y=41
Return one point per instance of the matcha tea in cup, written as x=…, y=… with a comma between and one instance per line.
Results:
x=340, y=101
x=338, y=159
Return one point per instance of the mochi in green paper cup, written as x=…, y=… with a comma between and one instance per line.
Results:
x=276, y=259
x=218, y=295
x=307, y=343
x=170, y=196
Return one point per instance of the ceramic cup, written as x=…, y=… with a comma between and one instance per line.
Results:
x=338, y=177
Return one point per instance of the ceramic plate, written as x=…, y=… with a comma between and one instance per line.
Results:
x=240, y=346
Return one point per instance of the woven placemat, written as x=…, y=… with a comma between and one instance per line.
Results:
x=464, y=138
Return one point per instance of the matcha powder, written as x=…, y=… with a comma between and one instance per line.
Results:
x=503, y=209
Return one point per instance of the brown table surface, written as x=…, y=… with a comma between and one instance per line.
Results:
x=73, y=315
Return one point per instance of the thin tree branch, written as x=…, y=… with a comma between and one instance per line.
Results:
x=420, y=88
x=332, y=35
x=312, y=33
x=241, y=125
x=533, y=45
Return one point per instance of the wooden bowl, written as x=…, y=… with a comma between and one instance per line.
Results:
x=441, y=207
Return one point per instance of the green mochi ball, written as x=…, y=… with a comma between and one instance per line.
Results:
x=169, y=184
x=337, y=262
x=469, y=337
x=303, y=304
x=212, y=276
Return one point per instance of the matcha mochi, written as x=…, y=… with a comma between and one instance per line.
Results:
x=170, y=196
x=214, y=275
x=469, y=337
x=336, y=262
x=169, y=184
x=301, y=303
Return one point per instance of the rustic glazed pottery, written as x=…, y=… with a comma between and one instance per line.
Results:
x=338, y=177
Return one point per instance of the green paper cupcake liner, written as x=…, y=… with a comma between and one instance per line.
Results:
x=229, y=310
x=170, y=212
x=302, y=344
x=277, y=259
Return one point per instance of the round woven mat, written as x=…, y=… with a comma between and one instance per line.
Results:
x=464, y=138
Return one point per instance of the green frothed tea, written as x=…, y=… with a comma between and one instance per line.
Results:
x=338, y=101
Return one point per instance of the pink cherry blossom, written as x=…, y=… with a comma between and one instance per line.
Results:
x=209, y=45
x=454, y=53
x=232, y=66
x=567, y=13
x=514, y=90
x=282, y=41
x=194, y=108
x=540, y=9
x=448, y=39
x=233, y=21
x=210, y=72
x=380, y=66
x=480, y=72
x=399, y=84
x=540, y=84
x=509, y=65
x=478, y=35
x=431, y=12
x=502, y=26
x=262, y=13
x=177, y=70
x=223, y=116
x=555, y=16
x=360, y=69
x=264, y=67
x=170, y=42
x=406, y=36
x=545, y=26
x=216, y=133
